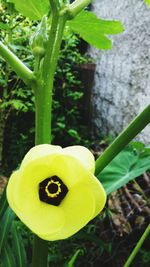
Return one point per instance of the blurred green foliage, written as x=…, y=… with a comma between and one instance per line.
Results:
x=68, y=122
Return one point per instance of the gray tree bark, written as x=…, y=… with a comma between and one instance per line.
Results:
x=122, y=78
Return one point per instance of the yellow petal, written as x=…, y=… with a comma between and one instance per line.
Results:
x=40, y=151
x=83, y=155
x=100, y=195
x=40, y=217
x=79, y=207
x=11, y=190
x=66, y=167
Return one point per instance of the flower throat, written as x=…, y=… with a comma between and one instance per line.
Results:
x=52, y=190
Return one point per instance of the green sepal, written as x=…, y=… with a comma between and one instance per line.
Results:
x=38, y=41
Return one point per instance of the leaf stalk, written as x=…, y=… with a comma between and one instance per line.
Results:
x=17, y=65
x=75, y=8
x=137, y=247
x=135, y=127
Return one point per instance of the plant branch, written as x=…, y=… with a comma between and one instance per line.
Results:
x=135, y=127
x=17, y=65
x=76, y=7
x=137, y=247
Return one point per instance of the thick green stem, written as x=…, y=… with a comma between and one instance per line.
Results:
x=42, y=116
x=77, y=6
x=43, y=97
x=55, y=5
x=135, y=127
x=40, y=252
x=137, y=247
x=17, y=65
x=43, y=93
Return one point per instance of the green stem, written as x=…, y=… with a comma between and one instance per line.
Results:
x=76, y=7
x=55, y=5
x=43, y=101
x=137, y=247
x=135, y=127
x=17, y=65
x=40, y=252
x=43, y=93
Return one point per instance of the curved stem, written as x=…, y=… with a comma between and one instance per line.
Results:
x=76, y=7
x=135, y=127
x=17, y=65
x=137, y=247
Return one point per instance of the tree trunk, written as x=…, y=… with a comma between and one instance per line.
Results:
x=122, y=79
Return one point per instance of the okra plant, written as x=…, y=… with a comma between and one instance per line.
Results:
x=57, y=191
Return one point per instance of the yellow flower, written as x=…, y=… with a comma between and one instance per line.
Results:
x=55, y=192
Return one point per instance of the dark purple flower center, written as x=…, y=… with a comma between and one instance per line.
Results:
x=52, y=190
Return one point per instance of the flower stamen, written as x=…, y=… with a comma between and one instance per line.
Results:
x=52, y=190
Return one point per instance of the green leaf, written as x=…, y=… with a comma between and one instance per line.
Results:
x=17, y=104
x=147, y=2
x=3, y=204
x=94, y=30
x=137, y=146
x=73, y=259
x=5, y=226
x=126, y=166
x=4, y=26
x=18, y=245
x=7, y=258
x=33, y=9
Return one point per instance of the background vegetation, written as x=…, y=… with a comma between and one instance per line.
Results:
x=108, y=239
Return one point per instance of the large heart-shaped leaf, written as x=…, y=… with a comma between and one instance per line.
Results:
x=33, y=9
x=94, y=30
x=126, y=166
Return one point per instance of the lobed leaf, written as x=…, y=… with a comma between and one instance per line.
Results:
x=126, y=166
x=33, y=9
x=147, y=2
x=94, y=30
